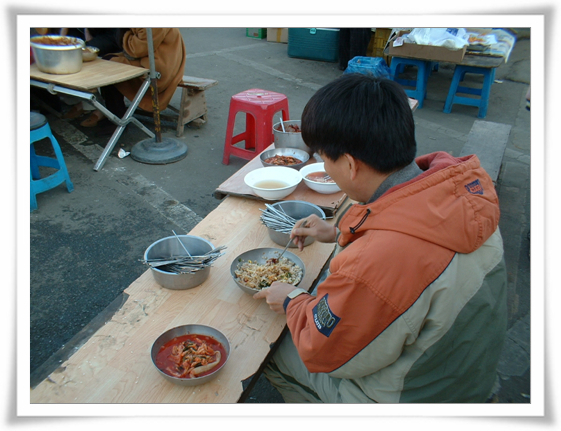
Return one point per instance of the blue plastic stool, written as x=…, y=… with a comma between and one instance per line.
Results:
x=40, y=130
x=483, y=101
x=424, y=68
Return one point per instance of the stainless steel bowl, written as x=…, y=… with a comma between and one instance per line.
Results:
x=289, y=139
x=89, y=53
x=260, y=256
x=297, y=210
x=292, y=152
x=184, y=330
x=57, y=59
x=170, y=246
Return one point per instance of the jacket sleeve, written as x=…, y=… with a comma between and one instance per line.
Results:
x=347, y=315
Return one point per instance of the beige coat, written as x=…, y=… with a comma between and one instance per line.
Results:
x=169, y=59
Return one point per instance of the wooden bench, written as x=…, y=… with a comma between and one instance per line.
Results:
x=488, y=141
x=192, y=108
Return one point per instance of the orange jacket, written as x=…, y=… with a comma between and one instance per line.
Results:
x=422, y=249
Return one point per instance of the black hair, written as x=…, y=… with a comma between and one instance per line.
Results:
x=364, y=116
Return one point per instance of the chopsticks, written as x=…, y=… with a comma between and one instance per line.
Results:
x=277, y=220
x=185, y=264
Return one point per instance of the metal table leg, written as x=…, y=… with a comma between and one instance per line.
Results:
x=120, y=122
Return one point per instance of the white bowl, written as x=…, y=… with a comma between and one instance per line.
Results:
x=323, y=188
x=274, y=182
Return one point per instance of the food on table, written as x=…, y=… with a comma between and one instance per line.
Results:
x=319, y=177
x=283, y=160
x=293, y=128
x=271, y=184
x=55, y=41
x=257, y=276
x=191, y=355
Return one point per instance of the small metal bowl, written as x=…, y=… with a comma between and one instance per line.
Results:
x=170, y=246
x=297, y=210
x=89, y=53
x=260, y=256
x=184, y=330
x=292, y=152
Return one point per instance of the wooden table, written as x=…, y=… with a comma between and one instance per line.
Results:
x=114, y=365
x=83, y=84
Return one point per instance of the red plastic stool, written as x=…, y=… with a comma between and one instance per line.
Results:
x=259, y=106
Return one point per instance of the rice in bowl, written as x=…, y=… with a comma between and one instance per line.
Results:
x=258, y=276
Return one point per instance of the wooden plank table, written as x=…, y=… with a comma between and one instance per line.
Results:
x=114, y=365
x=94, y=74
x=83, y=84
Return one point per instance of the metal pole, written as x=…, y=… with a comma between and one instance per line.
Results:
x=154, y=86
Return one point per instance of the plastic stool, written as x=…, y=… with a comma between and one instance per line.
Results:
x=424, y=68
x=40, y=130
x=259, y=106
x=483, y=101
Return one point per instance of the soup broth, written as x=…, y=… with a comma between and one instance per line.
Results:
x=270, y=184
x=319, y=177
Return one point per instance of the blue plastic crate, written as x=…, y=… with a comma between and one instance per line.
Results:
x=314, y=43
x=376, y=66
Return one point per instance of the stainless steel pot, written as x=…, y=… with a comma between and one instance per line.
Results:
x=297, y=210
x=58, y=55
x=170, y=246
x=289, y=139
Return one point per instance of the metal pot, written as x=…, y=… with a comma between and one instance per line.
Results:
x=297, y=210
x=58, y=55
x=170, y=246
x=289, y=139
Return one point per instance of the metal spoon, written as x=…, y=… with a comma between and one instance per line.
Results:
x=282, y=125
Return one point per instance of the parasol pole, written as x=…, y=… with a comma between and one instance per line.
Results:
x=157, y=151
x=154, y=86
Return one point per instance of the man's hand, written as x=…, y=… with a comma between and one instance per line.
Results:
x=316, y=227
x=275, y=295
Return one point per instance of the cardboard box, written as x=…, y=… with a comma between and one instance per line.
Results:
x=256, y=33
x=425, y=52
x=279, y=35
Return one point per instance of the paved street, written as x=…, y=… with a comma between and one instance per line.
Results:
x=85, y=245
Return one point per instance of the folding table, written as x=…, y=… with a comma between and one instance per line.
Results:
x=84, y=84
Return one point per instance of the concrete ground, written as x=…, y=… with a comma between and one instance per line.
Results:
x=85, y=245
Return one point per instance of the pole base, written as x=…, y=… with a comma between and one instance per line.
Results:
x=159, y=153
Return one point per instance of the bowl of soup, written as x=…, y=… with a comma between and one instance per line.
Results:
x=273, y=182
x=190, y=355
x=317, y=179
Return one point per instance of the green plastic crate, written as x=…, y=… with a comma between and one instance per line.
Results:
x=314, y=43
x=256, y=33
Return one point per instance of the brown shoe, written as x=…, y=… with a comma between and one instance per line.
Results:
x=92, y=120
x=74, y=112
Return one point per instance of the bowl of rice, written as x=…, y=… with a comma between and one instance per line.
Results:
x=258, y=268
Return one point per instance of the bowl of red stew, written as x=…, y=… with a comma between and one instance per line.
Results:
x=317, y=179
x=289, y=157
x=190, y=355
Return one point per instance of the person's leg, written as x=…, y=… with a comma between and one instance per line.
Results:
x=114, y=102
x=344, y=41
x=359, y=40
x=288, y=374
